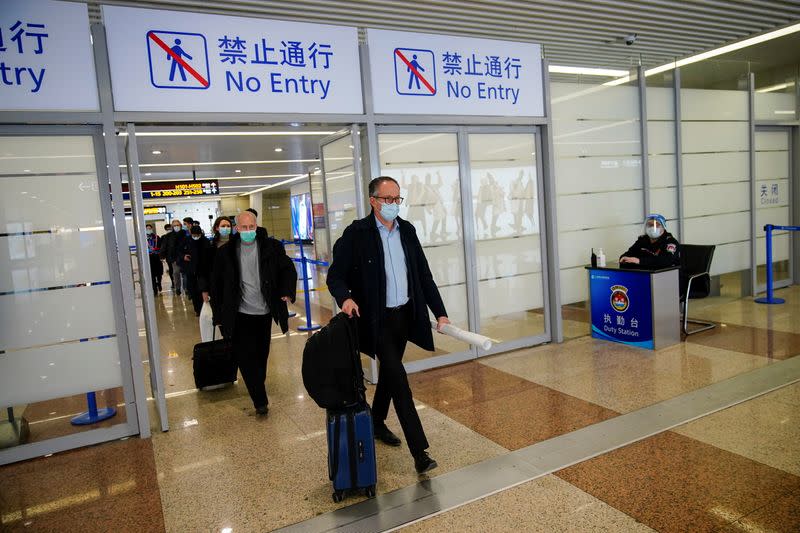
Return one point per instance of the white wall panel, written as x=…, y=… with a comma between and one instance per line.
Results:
x=700, y=137
x=597, y=174
x=661, y=137
x=575, y=247
x=594, y=101
x=772, y=140
x=596, y=137
x=665, y=202
x=38, y=318
x=718, y=229
x=599, y=210
x=574, y=285
x=660, y=103
x=772, y=165
x=769, y=198
x=780, y=248
x=715, y=168
x=48, y=202
x=777, y=216
x=50, y=260
x=702, y=200
x=663, y=171
x=775, y=106
x=47, y=155
x=702, y=104
x=38, y=374
x=731, y=258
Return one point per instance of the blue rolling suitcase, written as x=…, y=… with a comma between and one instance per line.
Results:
x=351, y=450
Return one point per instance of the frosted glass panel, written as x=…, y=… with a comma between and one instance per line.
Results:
x=49, y=317
x=52, y=259
x=426, y=167
x=504, y=199
x=593, y=210
x=775, y=105
x=38, y=374
x=54, y=272
x=701, y=104
x=715, y=168
x=698, y=137
x=773, y=201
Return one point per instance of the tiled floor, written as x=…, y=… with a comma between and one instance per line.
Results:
x=221, y=467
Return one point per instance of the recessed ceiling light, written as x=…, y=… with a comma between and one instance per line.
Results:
x=156, y=152
x=27, y=170
x=294, y=124
x=279, y=149
x=238, y=170
x=148, y=173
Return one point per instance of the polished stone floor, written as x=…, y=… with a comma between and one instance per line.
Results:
x=220, y=468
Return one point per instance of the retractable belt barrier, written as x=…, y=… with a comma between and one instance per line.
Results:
x=770, y=298
x=303, y=260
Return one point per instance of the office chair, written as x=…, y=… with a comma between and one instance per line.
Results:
x=695, y=281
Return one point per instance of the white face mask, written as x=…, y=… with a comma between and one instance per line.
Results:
x=653, y=231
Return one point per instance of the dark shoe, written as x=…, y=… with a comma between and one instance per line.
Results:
x=385, y=435
x=263, y=410
x=178, y=293
x=423, y=462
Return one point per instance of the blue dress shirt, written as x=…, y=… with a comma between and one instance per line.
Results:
x=394, y=262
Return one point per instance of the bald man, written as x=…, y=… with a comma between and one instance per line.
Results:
x=252, y=281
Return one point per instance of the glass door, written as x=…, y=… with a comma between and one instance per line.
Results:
x=509, y=244
x=473, y=195
x=63, y=337
x=773, y=203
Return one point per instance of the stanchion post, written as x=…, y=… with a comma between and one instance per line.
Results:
x=770, y=299
x=93, y=415
x=309, y=326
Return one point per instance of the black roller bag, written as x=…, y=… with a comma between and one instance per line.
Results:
x=214, y=363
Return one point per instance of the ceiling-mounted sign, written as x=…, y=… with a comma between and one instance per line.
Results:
x=172, y=189
x=46, y=58
x=193, y=62
x=420, y=74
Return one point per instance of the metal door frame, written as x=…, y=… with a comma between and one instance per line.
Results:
x=145, y=278
x=791, y=132
x=130, y=363
x=469, y=241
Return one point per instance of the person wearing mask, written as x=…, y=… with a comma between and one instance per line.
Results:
x=657, y=248
x=164, y=241
x=170, y=250
x=192, y=257
x=153, y=253
x=222, y=234
x=251, y=283
x=379, y=274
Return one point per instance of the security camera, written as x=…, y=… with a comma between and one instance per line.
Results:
x=630, y=39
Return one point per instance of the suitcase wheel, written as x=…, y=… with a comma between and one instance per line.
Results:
x=370, y=491
x=338, y=496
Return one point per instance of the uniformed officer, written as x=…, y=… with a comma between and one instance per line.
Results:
x=657, y=248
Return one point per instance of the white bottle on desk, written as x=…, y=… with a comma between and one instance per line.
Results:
x=601, y=258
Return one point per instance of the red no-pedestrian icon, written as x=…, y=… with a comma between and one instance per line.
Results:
x=414, y=72
x=178, y=60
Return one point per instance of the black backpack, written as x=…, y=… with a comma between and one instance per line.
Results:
x=332, y=372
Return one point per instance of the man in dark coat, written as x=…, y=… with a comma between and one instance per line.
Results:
x=379, y=273
x=252, y=280
x=656, y=249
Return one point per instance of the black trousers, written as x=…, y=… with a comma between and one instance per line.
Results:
x=393, y=380
x=156, y=271
x=251, y=338
x=193, y=289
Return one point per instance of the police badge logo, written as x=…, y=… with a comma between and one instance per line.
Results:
x=671, y=248
x=619, y=298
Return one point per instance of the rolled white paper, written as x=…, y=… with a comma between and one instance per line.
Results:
x=465, y=336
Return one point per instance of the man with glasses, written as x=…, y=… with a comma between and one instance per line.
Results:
x=379, y=273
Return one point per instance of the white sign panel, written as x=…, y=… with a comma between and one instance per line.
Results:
x=178, y=61
x=46, y=60
x=415, y=73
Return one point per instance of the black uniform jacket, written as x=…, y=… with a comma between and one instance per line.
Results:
x=278, y=278
x=357, y=272
x=663, y=253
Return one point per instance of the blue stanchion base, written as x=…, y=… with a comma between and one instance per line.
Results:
x=87, y=418
x=309, y=328
x=772, y=300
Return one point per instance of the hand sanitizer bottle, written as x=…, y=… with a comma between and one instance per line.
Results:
x=601, y=258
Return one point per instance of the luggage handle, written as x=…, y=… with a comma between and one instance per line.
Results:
x=336, y=434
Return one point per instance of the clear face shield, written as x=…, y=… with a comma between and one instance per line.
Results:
x=653, y=228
